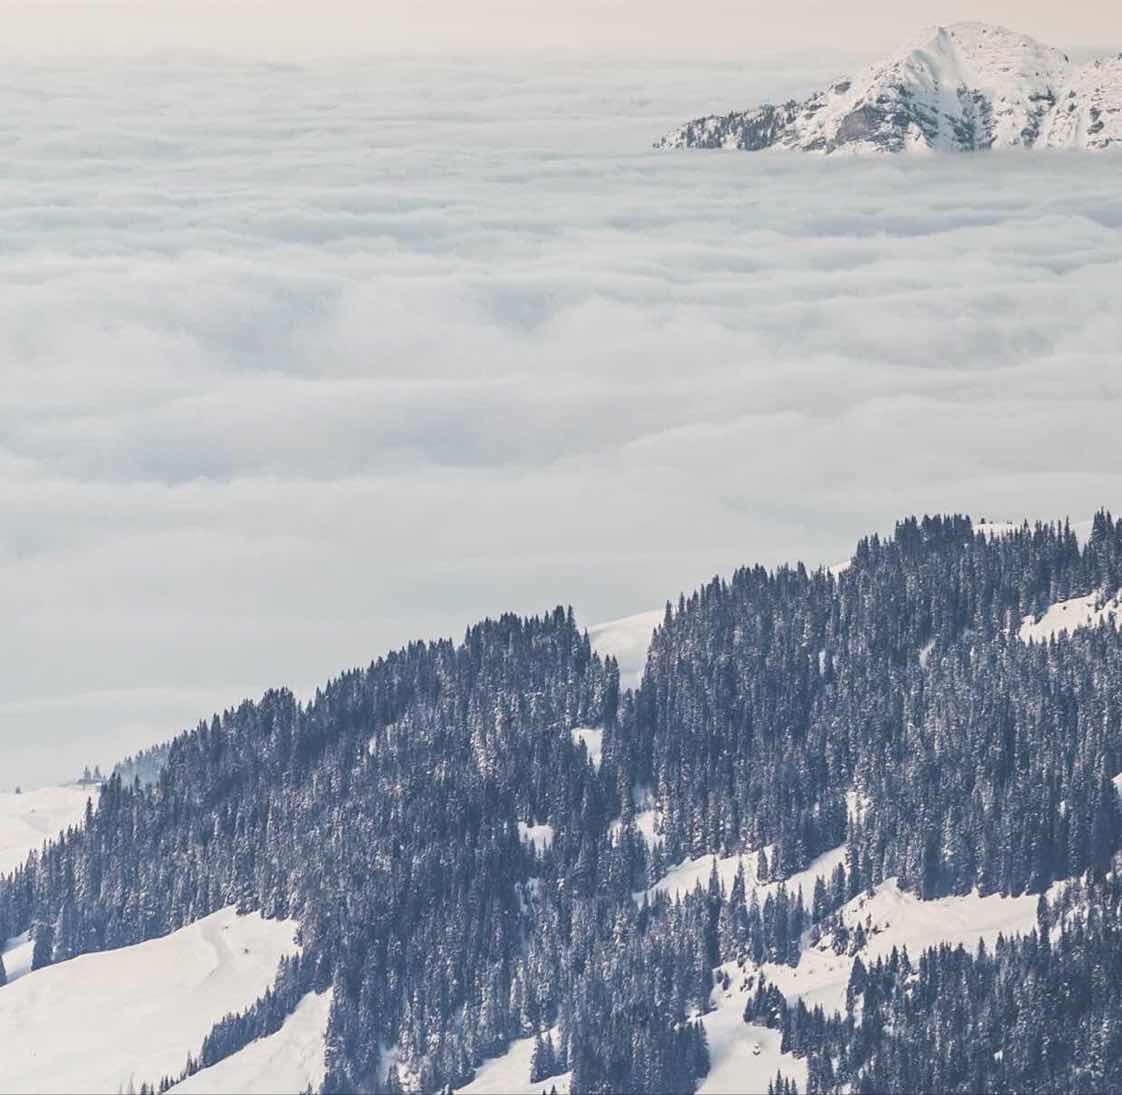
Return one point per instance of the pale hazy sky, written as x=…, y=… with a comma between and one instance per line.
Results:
x=717, y=27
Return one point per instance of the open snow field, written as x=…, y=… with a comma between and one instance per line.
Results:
x=284, y=1063
x=102, y=1021
x=1064, y=617
x=893, y=918
x=681, y=879
x=27, y=819
x=510, y=1074
x=743, y=1058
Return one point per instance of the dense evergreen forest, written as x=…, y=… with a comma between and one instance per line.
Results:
x=386, y=815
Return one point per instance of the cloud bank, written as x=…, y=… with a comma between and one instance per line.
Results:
x=301, y=362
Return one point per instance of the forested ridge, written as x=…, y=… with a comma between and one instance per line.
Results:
x=384, y=815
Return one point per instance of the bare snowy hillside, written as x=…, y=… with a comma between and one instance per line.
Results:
x=27, y=819
x=287, y=1061
x=627, y=640
x=963, y=87
x=102, y=1021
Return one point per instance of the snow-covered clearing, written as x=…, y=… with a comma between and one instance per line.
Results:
x=540, y=837
x=510, y=1074
x=100, y=1021
x=285, y=1063
x=627, y=640
x=27, y=819
x=646, y=817
x=893, y=918
x=646, y=822
x=742, y=1058
x=592, y=738
x=681, y=879
x=1064, y=617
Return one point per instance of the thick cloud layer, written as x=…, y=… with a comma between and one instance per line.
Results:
x=300, y=363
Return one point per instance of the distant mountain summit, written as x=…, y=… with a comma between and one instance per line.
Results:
x=960, y=88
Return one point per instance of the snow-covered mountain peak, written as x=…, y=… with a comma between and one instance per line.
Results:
x=961, y=87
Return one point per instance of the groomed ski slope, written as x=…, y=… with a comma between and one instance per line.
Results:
x=27, y=819
x=102, y=1021
x=284, y=1063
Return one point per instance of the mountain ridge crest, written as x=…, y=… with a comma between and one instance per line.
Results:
x=961, y=87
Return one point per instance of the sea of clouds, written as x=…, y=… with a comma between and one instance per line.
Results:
x=302, y=362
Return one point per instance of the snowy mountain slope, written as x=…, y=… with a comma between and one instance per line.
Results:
x=683, y=877
x=743, y=1058
x=285, y=1063
x=627, y=640
x=509, y=1074
x=1088, y=113
x=29, y=818
x=1064, y=617
x=134, y=1014
x=891, y=918
x=17, y=953
x=963, y=87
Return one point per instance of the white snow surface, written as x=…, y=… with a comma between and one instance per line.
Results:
x=961, y=87
x=735, y=1068
x=539, y=836
x=510, y=1074
x=17, y=952
x=646, y=817
x=627, y=640
x=284, y=1063
x=1064, y=617
x=893, y=918
x=593, y=739
x=100, y=1021
x=682, y=878
x=29, y=818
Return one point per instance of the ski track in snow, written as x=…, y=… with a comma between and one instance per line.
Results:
x=134, y=1014
x=284, y=1063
